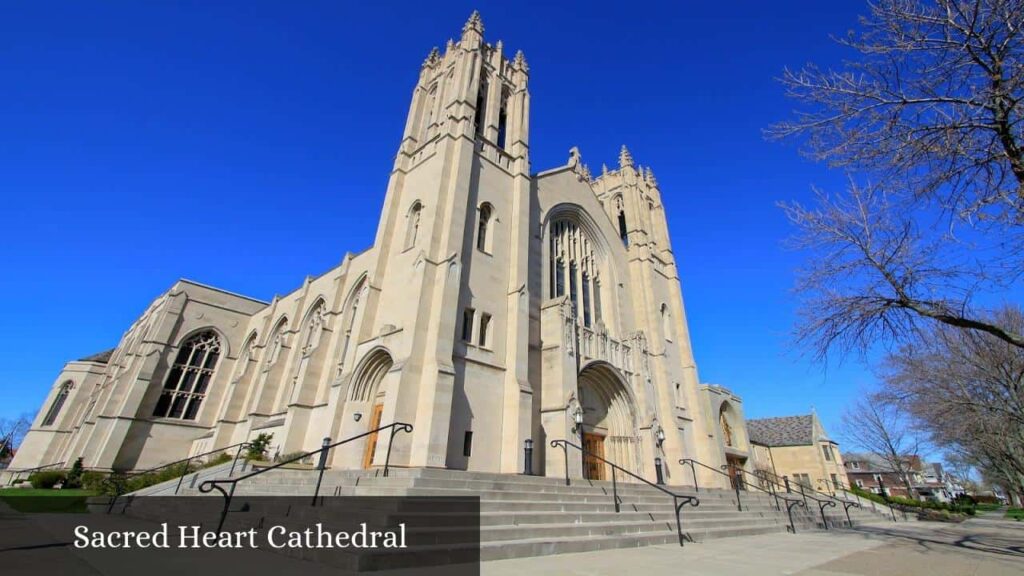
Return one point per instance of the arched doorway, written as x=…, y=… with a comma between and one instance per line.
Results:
x=367, y=395
x=609, y=426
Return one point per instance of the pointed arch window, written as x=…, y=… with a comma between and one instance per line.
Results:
x=723, y=420
x=412, y=229
x=277, y=342
x=480, y=117
x=248, y=354
x=314, y=328
x=428, y=113
x=483, y=240
x=666, y=322
x=621, y=219
x=503, y=118
x=58, y=403
x=189, y=378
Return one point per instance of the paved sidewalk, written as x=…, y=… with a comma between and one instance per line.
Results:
x=981, y=546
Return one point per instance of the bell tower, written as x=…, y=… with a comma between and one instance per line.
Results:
x=453, y=240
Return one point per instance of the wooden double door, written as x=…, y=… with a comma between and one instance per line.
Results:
x=593, y=446
x=371, y=441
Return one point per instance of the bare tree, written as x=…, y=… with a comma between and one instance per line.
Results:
x=883, y=430
x=929, y=111
x=12, y=431
x=965, y=389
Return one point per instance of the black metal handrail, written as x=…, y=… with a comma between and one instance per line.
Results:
x=678, y=500
x=211, y=485
x=770, y=491
x=885, y=499
x=18, y=473
x=118, y=483
x=736, y=485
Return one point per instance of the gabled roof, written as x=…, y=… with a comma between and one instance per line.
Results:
x=782, y=431
x=101, y=357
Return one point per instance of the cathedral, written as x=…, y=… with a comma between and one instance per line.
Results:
x=497, y=307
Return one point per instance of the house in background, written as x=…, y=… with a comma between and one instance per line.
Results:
x=871, y=472
x=796, y=447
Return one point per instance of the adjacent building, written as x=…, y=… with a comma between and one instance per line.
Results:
x=797, y=448
x=873, y=473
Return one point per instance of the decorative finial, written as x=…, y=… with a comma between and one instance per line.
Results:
x=520, y=61
x=649, y=176
x=604, y=169
x=451, y=44
x=474, y=23
x=433, y=57
x=585, y=172
x=625, y=158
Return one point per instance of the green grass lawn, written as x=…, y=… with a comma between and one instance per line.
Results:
x=32, y=500
x=987, y=507
x=1015, y=513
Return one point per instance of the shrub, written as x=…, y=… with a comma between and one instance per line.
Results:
x=47, y=479
x=93, y=481
x=258, y=447
x=74, y=479
x=293, y=455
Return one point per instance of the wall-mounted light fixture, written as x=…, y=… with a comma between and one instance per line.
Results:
x=659, y=435
x=577, y=417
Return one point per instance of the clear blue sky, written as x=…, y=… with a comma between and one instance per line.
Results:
x=248, y=144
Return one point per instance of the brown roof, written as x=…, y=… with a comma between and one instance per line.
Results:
x=782, y=431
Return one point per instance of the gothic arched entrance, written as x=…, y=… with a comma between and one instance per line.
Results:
x=609, y=426
x=367, y=395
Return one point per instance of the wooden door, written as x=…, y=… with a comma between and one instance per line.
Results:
x=593, y=469
x=371, y=440
x=734, y=470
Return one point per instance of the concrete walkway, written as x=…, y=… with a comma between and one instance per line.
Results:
x=984, y=546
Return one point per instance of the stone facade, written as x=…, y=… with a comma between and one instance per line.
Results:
x=493, y=306
x=797, y=447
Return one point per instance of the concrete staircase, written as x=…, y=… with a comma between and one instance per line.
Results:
x=533, y=516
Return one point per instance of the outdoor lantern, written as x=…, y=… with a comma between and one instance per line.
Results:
x=660, y=435
x=578, y=416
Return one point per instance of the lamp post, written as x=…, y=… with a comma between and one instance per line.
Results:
x=528, y=457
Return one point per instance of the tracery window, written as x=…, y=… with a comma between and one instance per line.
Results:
x=58, y=403
x=277, y=341
x=572, y=256
x=314, y=328
x=189, y=378
x=248, y=353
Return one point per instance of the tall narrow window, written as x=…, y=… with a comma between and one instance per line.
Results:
x=428, y=113
x=572, y=287
x=58, y=403
x=503, y=119
x=467, y=324
x=189, y=378
x=276, y=343
x=314, y=328
x=586, y=300
x=572, y=255
x=827, y=450
x=666, y=322
x=412, y=226
x=482, y=228
x=485, y=324
x=467, y=444
x=481, y=107
x=622, y=228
